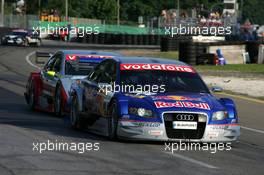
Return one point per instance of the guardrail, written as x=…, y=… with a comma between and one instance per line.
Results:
x=40, y=54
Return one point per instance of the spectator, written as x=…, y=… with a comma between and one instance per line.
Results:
x=173, y=18
x=255, y=33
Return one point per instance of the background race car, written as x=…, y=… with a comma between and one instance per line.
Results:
x=151, y=99
x=21, y=37
x=49, y=89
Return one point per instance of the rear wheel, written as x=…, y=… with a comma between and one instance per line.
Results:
x=112, y=122
x=26, y=43
x=31, y=97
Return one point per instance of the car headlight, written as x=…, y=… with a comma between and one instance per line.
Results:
x=219, y=115
x=142, y=112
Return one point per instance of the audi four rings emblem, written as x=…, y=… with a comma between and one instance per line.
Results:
x=185, y=117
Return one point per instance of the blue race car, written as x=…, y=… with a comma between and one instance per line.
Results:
x=151, y=99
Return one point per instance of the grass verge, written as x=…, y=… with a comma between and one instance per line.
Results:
x=244, y=68
x=151, y=53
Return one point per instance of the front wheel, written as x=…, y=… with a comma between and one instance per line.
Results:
x=113, y=122
x=57, y=102
x=75, y=119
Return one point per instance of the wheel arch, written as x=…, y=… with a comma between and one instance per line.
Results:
x=122, y=105
x=35, y=78
x=230, y=106
x=79, y=94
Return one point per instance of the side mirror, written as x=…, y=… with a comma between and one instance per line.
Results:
x=51, y=73
x=216, y=89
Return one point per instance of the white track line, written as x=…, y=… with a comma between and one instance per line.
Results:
x=192, y=160
x=29, y=62
x=254, y=130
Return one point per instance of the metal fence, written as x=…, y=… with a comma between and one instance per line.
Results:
x=25, y=21
x=152, y=26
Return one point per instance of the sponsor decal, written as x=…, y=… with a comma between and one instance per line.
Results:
x=135, y=96
x=177, y=98
x=147, y=124
x=181, y=104
x=155, y=132
x=164, y=67
x=70, y=57
x=212, y=135
x=218, y=127
x=184, y=125
x=137, y=123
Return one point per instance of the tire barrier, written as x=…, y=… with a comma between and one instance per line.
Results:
x=140, y=39
x=4, y=31
x=196, y=53
x=187, y=52
x=172, y=43
x=206, y=58
x=253, y=49
x=123, y=39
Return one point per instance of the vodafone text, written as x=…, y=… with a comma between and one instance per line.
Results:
x=164, y=67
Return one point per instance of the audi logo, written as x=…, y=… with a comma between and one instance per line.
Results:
x=185, y=117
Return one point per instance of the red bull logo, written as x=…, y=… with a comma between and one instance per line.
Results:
x=176, y=98
x=180, y=104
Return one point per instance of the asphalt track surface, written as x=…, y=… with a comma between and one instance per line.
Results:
x=20, y=128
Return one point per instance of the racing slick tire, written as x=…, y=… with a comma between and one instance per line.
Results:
x=57, y=102
x=31, y=97
x=26, y=43
x=112, y=121
x=76, y=121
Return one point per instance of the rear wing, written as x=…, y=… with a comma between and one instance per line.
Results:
x=42, y=57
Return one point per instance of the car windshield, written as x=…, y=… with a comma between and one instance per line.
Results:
x=19, y=33
x=79, y=68
x=171, y=80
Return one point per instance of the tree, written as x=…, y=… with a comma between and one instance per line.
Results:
x=131, y=9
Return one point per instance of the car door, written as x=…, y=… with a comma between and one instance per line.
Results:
x=107, y=87
x=51, y=74
x=99, y=91
x=45, y=77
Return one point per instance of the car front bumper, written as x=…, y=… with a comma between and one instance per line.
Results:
x=156, y=131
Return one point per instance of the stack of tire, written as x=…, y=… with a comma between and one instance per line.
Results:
x=187, y=52
x=124, y=39
x=253, y=49
x=168, y=43
x=4, y=31
x=206, y=58
x=201, y=56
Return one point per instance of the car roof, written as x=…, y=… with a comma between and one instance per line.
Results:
x=20, y=30
x=90, y=52
x=148, y=60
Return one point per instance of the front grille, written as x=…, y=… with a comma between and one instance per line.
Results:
x=183, y=133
